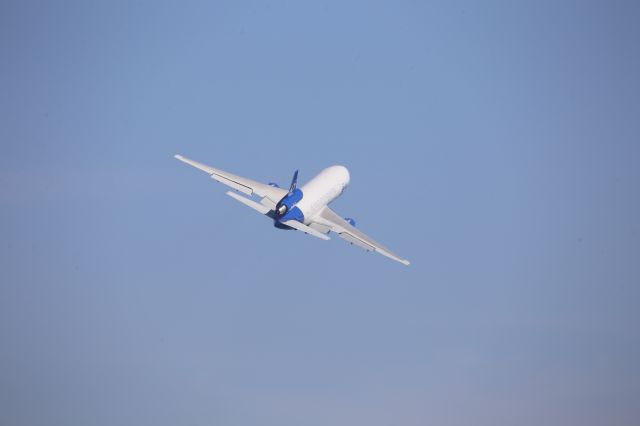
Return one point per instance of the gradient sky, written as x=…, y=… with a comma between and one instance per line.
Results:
x=494, y=144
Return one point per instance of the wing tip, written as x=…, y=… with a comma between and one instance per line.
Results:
x=178, y=157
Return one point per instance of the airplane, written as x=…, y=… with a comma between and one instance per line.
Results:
x=304, y=209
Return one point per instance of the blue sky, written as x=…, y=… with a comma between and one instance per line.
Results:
x=494, y=144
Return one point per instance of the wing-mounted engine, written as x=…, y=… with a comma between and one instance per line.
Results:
x=351, y=221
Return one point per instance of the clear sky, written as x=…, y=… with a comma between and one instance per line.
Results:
x=494, y=144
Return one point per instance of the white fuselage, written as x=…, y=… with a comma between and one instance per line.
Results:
x=322, y=190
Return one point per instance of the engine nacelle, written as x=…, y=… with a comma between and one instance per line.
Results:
x=351, y=221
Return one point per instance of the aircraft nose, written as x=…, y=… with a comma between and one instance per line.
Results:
x=345, y=174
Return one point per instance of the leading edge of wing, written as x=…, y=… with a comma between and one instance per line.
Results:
x=239, y=183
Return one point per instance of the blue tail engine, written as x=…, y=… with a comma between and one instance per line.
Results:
x=286, y=208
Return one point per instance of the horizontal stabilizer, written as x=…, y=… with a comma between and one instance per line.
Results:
x=304, y=228
x=247, y=202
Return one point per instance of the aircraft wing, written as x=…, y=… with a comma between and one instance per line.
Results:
x=270, y=194
x=327, y=218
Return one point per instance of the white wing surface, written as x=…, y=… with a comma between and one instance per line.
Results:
x=270, y=194
x=304, y=228
x=261, y=208
x=332, y=220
